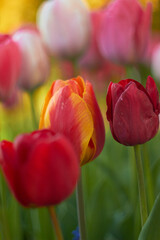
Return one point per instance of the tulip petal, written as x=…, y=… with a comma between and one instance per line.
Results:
x=153, y=93
x=52, y=167
x=109, y=103
x=47, y=99
x=68, y=113
x=98, y=137
x=134, y=121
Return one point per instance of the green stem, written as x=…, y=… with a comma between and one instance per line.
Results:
x=55, y=223
x=80, y=209
x=148, y=175
x=141, y=185
x=3, y=208
x=35, y=124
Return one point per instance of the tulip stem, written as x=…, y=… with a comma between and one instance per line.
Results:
x=55, y=223
x=80, y=209
x=148, y=174
x=141, y=185
x=33, y=110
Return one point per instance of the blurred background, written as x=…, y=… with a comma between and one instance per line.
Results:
x=110, y=186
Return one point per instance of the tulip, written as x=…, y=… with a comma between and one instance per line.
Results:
x=71, y=108
x=10, y=60
x=41, y=168
x=35, y=66
x=65, y=26
x=124, y=31
x=133, y=111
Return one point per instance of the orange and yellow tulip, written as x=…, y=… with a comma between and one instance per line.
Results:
x=71, y=108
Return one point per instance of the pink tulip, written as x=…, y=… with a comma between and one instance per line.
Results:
x=35, y=66
x=65, y=26
x=124, y=31
x=10, y=60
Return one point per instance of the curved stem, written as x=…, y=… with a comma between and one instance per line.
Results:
x=55, y=223
x=141, y=185
x=33, y=110
x=80, y=209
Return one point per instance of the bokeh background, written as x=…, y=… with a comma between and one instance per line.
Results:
x=110, y=187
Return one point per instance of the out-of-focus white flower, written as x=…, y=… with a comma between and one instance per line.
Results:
x=65, y=26
x=35, y=65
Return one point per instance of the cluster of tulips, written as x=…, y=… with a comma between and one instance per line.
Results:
x=42, y=168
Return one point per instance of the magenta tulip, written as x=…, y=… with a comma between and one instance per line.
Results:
x=41, y=168
x=124, y=31
x=10, y=60
x=133, y=111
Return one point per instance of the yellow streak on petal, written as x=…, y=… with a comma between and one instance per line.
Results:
x=47, y=99
x=84, y=123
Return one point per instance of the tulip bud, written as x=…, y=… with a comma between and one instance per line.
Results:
x=71, y=108
x=41, y=168
x=35, y=66
x=10, y=60
x=133, y=111
x=124, y=31
x=65, y=26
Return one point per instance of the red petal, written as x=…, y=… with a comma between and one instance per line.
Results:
x=109, y=103
x=98, y=137
x=134, y=121
x=50, y=174
x=153, y=93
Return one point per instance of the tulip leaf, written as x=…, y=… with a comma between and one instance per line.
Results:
x=151, y=230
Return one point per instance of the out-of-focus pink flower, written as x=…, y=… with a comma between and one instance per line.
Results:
x=41, y=168
x=124, y=31
x=92, y=56
x=65, y=26
x=10, y=60
x=133, y=111
x=35, y=65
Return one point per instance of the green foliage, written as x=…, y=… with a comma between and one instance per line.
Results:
x=151, y=230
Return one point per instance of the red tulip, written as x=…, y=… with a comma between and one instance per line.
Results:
x=41, y=168
x=71, y=108
x=124, y=31
x=133, y=111
x=10, y=60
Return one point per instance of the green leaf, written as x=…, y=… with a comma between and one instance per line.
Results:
x=151, y=229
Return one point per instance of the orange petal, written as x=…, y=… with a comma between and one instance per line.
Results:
x=68, y=113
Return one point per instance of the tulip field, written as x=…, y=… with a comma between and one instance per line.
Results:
x=79, y=122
